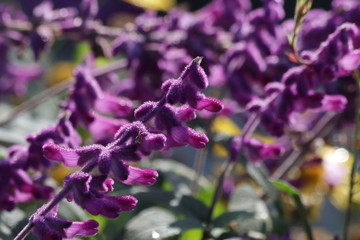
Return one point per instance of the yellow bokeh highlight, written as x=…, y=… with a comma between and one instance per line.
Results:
x=219, y=150
x=60, y=72
x=58, y=172
x=225, y=125
x=161, y=5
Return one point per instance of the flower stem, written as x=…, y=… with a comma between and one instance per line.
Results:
x=199, y=167
x=56, y=200
x=355, y=154
x=248, y=129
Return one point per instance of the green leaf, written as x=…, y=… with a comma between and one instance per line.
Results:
x=224, y=220
x=9, y=221
x=72, y=211
x=261, y=177
x=81, y=50
x=251, y=213
x=179, y=175
x=243, y=198
x=157, y=223
x=193, y=234
x=182, y=204
x=285, y=187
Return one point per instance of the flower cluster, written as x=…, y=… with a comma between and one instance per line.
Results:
x=161, y=46
x=18, y=185
x=159, y=127
x=285, y=88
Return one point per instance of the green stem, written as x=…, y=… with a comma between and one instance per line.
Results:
x=199, y=168
x=248, y=129
x=302, y=212
x=355, y=154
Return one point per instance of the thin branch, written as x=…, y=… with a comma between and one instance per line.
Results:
x=199, y=168
x=251, y=124
x=355, y=153
x=322, y=128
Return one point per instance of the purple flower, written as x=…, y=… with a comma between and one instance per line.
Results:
x=51, y=227
x=334, y=103
x=184, y=135
x=16, y=185
x=255, y=150
x=337, y=45
x=113, y=157
x=88, y=191
x=349, y=62
x=185, y=89
x=118, y=106
x=63, y=133
x=318, y=24
x=225, y=13
x=88, y=9
x=141, y=176
x=15, y=77
x=88, y=101
x=71, y=157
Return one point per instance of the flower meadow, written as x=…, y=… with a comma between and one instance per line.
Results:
x=141, y=120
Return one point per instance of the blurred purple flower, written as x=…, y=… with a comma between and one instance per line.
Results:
x=15, y=184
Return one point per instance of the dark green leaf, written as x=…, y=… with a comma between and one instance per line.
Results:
x=179, y=175
x=261, y=177
x=252, y=213
x=157, y=223
x=225, y=219
x=285, y=187
x=243, y=198
x=9, y=221
x=182, y=204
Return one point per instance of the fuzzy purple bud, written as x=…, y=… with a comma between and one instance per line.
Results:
x=350, y=61
x=195, y=74
x=185, y=135
x=141, y=176
x=209, y=104
x=144, y=109
x=185, y=113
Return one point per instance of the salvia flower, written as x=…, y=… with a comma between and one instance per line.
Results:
x=160, y=126
x=15, y=184
x=51, y=227
x=87, y=103
x=89, y=192
x=62, y=133
x=255, y=150
x=185, y=88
